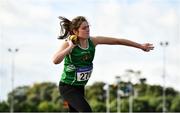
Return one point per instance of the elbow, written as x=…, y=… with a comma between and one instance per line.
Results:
x=55, y=61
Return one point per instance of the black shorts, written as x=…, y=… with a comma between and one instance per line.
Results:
x=74, y=95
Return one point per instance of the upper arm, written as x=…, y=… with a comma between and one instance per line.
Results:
x=115, y=41
x=63, y=45
x=104, y=40
x=59, y=55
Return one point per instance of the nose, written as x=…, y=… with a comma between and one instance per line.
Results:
x=87, y=29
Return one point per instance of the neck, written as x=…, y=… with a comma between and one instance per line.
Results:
x=83, y=43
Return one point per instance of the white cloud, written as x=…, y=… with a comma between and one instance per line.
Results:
x=169, y=19
x=24, y=13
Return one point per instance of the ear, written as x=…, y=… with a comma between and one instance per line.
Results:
x=75, y=32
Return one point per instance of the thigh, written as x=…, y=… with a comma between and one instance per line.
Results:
x=78, y=102
x=71, y=109
x=75, y=98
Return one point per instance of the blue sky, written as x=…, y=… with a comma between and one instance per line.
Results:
x=32, y=26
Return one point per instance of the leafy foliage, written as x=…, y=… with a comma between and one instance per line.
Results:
x=45, y=97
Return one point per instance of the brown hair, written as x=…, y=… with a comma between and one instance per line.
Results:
x=68, y=26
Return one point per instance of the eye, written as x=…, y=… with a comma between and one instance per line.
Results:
x=85, y=27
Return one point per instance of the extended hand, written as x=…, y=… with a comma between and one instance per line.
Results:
x=147, y=47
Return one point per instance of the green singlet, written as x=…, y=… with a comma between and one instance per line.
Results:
x=78, y=65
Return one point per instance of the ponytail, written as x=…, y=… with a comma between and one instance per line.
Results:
x=65, y=25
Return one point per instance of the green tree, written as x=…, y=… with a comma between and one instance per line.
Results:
x=154, y=102
x=4, y=107
x=19, y=96
x=143, y=103
x=154, y=90
x=33, y=98
x=96, y=92
x=175, y=104
x=113, y=105
x=45, y=106
x=124, y=105
x=45, y=97
x=97, y=106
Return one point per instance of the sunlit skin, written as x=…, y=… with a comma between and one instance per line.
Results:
x=83, y=34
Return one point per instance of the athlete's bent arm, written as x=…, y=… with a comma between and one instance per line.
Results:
x=115, y=41
x=65, y=49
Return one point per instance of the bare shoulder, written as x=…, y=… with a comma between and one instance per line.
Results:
x=94, y=40
x=97, y=39
x=103, y=40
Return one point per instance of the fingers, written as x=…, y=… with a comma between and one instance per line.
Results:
x=151, y=47
x=70, y=43
x=147, y=47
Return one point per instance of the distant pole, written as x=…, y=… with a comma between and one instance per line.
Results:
x=13, y=53
x=164, y=45
x=1, y=61
x=118, y=79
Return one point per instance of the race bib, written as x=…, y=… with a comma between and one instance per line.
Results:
x=84, y=73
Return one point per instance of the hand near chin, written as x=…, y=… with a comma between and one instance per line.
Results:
x=70, y=43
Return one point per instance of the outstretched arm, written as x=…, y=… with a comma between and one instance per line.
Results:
x=115, y=41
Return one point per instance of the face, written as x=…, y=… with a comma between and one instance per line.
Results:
x=83, y=31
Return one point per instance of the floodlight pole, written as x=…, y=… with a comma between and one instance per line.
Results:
x=164, y=45
x=13, y=53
